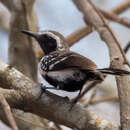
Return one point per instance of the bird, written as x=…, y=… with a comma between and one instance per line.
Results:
x=64, y=69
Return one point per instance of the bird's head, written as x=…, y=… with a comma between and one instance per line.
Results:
x=49, y=41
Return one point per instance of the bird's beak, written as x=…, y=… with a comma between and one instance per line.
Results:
x=30, y=33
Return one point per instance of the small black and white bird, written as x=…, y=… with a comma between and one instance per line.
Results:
x=64, y=69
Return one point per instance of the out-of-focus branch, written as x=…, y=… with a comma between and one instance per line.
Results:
x=77, y=35
x=21, y=51
x=121, y=7
x=113, y=36
x=31, y=123
x=115, y=18
x=111, y=15
x=104, y=99
x=127, y=47
x=4, y=19
x=8, y=112
x=88, y=88
x=24, y=96
x=96, y=100
x=97, y=20
x=91, y=98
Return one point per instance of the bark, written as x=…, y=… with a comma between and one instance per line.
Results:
x=24, y=96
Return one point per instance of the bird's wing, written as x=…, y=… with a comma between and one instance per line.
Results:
x=71, y=59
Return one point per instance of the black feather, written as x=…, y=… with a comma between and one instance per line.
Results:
x=114, y=71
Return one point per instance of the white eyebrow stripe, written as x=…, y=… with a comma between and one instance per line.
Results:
x=52, y=35
x=59, y=45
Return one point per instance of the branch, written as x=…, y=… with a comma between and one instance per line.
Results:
x=8, y=112
x=88, y=88
x=78, y=35
x=21, y=54
x=127, y=47
x=104, y=99
x=115, y=18
x=95, y=100
x=4, y=19
x=121, y=7
x=106, y=34
x=55, y=108
x=91, y=98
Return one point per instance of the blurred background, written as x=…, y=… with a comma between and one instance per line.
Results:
x=62, y=16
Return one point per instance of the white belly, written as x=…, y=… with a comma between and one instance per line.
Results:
x=63, y=75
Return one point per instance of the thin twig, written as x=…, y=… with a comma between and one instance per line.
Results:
x=121, y=7
x=100, y=100
x=127, y=47
x=114, y=17
x=91, y=98
x=104, y=99
x=78, y=35
x=88, y=88
x=112, y=33
x=8, y=112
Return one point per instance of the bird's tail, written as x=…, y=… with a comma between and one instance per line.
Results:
x=114, y=71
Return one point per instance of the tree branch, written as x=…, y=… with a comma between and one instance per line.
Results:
x=113, y=17
x=8, y=112
x=95, y=100
x=24, y=96
x=22, y=17
x=121, y=7
x=127, y=47
x=78, y=35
